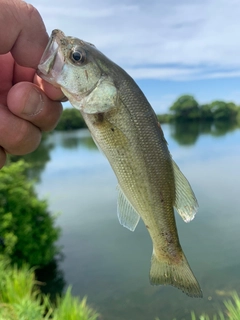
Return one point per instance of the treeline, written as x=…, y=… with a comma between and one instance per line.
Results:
x=186, y=108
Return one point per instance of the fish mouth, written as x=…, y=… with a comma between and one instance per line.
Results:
x=52, y=60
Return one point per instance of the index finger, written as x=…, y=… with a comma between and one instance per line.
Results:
x=26, y=33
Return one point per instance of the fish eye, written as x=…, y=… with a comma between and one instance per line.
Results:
x=78, y=56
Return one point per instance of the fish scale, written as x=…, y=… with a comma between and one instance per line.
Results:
x=125, y=127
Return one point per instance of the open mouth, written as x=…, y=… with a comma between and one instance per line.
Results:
x=52, y=61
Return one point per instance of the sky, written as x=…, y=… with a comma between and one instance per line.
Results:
x=169, y=47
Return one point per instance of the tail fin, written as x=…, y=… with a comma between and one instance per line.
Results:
x=177, y=274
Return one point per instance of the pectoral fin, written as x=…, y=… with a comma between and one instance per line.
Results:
x=127, y=215
x=185, y=200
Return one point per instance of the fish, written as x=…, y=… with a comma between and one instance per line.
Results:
x=125, y=128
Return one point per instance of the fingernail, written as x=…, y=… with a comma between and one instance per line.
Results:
x=34, y=103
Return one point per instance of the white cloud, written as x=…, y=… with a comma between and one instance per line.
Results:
x=172, y=39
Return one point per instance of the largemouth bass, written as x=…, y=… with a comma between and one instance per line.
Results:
x=125, y=127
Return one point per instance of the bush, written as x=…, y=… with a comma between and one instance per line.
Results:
x=71, y=119
x=27, y=228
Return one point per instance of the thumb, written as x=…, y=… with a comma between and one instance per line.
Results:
x=27, y=101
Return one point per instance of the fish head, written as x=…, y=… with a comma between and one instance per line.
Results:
x=73, y=65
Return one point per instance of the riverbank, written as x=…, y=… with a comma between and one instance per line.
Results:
x=20, y=298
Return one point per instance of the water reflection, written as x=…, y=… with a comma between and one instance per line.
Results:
x=108, y=263
x=187, y=133
x=220, y=128
x=73, y=142
x=37, y=159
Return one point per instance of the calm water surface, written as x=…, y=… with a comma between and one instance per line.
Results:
x=110, y=264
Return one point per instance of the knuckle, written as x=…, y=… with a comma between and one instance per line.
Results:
x=25, y=140
x=31, y=11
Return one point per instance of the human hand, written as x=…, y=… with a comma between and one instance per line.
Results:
x=27, y=105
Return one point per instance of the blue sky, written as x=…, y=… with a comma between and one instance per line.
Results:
x=169, y=47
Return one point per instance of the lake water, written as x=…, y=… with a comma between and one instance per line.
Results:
x=110, y=264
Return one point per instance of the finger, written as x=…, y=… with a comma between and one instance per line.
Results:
x=8, y=78
x=12, y=73
x=6, y=66
x=17, y=136
x=26, y=34
x=28, y=101
x=22, y=74
x=3, y=157
x=51, y=91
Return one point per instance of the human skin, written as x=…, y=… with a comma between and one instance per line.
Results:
x=28, y=104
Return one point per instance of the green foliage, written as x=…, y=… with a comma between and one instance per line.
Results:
x=26, y=225
x=164, y=118
x=71, y=119
x=206, y=112
x=223, y=110
x=19, y=296
x=15, y=285
x=20, y=299
x=73, y=309
x=233, y=307
x=185, y=108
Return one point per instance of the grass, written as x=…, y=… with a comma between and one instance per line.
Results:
x=231, y=312
x=20, y=299
x=79, y=309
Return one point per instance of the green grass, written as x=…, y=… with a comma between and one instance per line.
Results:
x=21, y=299
x=230, y=312
x=71, y=308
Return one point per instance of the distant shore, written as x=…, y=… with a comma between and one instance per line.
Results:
x=184, y=109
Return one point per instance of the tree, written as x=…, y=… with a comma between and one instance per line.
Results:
x=206, y=112
x=71, y=119
x=26, y=226
x=185, y=108
x=222, y=111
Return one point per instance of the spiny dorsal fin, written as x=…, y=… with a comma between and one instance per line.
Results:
x=127, y=215
x=185, y=201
